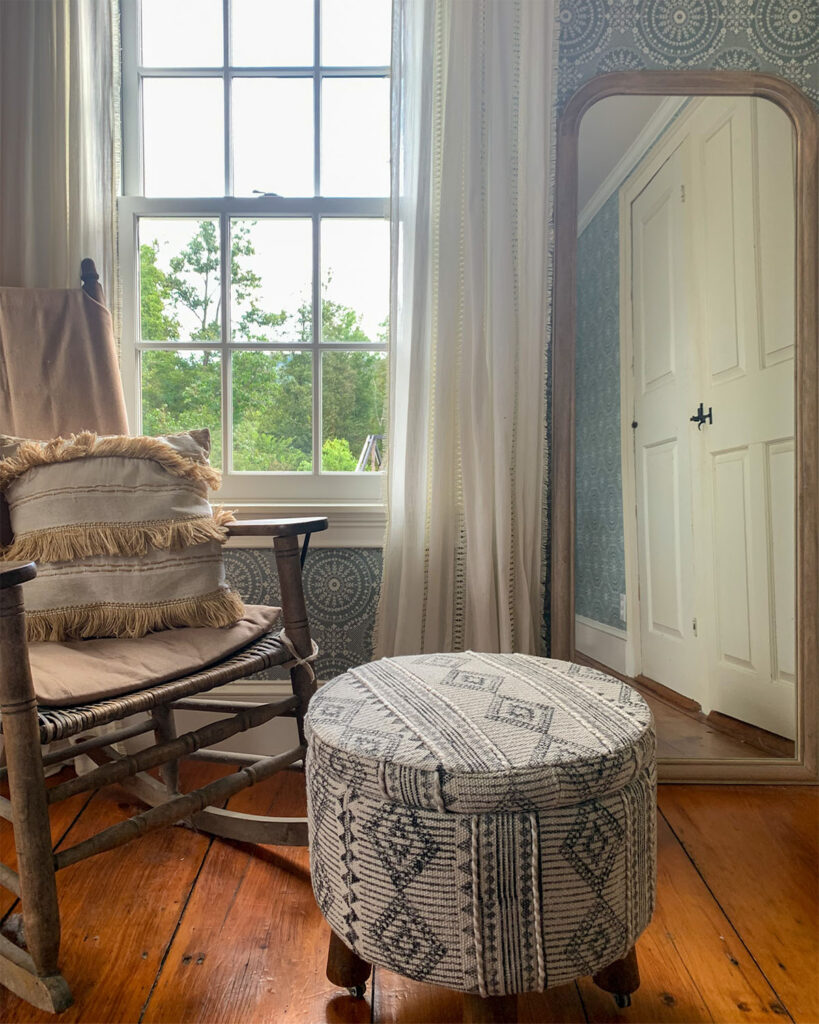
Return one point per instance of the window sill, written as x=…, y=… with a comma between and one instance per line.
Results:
x=352, y=525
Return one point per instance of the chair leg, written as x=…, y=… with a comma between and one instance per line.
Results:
x=620, y=978
x=490, y=1009
x=294, y=612
x=45, y=987
x=165, y=730
x=345, y=968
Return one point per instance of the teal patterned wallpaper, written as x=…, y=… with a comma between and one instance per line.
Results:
x=777, y=36
x=341, y=590
x=600, y=575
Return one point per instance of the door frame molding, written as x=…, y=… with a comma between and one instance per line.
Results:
x=803, y=767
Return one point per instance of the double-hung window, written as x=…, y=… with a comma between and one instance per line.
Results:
x=254, y=237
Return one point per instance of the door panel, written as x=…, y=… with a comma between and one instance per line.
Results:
x=731, y=529
x=661, y=498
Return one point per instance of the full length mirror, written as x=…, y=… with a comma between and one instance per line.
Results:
x=685, y=471
x=684, y=458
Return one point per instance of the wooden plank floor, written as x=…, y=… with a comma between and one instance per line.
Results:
x=178, y=927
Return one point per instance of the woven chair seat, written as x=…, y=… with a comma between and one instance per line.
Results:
x=62, y=722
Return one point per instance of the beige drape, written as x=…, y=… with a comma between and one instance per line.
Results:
x=58, y=365
x=57, y=140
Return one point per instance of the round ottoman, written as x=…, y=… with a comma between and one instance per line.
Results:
x=486, y=822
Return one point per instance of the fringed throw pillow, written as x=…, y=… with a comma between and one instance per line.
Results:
x=124, y=536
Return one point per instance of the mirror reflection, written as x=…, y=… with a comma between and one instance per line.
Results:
x=685, y=543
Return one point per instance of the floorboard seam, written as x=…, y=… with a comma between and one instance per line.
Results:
x=176, y=928
x=582, y=1002
x=723, y=911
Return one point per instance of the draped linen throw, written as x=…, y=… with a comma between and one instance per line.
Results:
x=472, y=132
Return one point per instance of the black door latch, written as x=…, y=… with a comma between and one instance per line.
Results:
x=703, y=417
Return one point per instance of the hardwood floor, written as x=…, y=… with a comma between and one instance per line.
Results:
x=178, y=927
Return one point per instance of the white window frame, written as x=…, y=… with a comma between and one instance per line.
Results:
x=354, y=498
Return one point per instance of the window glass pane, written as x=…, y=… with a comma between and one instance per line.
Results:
x=179, y=280
x=273, y=411
x=355, y=280
x=355, y=137
x=182, y=33
x=353, y=392
x=183, y=145
x=271, y=280
x=355, y=32
x=183, y=391
x=272, y=33
x=273, y=136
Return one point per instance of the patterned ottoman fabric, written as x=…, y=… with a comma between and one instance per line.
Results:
x=482, y=821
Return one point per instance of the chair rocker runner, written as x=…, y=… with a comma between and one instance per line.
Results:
x=28, y=727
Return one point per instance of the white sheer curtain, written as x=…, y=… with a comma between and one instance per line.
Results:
x=472, y=130
x=57, y=140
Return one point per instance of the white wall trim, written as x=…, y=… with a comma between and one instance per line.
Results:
x=603, y=643
x=652, y=129
x=357, y=525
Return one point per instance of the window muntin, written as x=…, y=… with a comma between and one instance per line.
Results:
x=233, y=302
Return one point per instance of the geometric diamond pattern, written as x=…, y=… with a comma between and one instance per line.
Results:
x=598, y=939
x=593, y=844
x=472, y=681
x=408, y=943
x=403, y=844
x=523, y=714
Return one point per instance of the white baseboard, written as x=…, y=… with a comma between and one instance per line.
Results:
x=603, y=643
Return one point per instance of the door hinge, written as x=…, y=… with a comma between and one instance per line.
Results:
x=694, y=626
x=682, y=193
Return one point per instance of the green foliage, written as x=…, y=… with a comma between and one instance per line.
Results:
x=336, y=456
x=272, y=390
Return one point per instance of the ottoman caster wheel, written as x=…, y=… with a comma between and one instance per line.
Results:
x=622, y=999
x=357, y=991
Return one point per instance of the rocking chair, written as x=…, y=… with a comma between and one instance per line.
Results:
x=33, y=973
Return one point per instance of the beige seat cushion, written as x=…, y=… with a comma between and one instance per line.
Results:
x=82, y=671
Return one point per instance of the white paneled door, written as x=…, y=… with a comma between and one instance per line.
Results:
x=744, y=161
x=713, y=323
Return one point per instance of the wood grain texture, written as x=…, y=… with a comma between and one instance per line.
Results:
x=252, y=945
x=119, y=913
x=756, y=848
x=179, y=928
x=802, y=768
x=693, y=965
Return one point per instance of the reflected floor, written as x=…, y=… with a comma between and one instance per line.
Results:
x=689, y=733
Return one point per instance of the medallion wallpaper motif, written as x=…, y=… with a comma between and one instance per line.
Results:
x=777, y=36
x=596, y=36
x=600, y=575
x=341, y=590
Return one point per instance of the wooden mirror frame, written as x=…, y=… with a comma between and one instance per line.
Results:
x=803, y=766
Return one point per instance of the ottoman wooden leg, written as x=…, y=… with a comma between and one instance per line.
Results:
x=620, y=978
x=345, y=969
x=490, y=1010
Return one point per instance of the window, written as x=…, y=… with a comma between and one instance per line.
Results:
x=254, y=237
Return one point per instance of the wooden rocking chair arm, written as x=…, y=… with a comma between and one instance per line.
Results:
x=276, y=527
x=14, y=573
